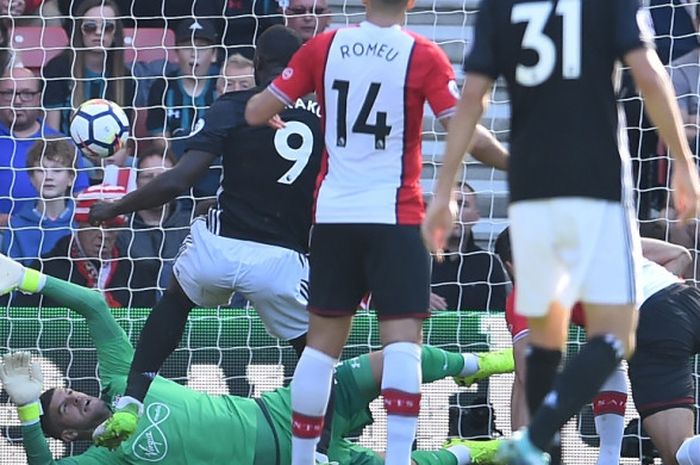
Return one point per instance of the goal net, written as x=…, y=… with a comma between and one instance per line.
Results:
x=226, y=351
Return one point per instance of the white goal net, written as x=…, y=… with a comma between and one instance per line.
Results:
x=224, y=351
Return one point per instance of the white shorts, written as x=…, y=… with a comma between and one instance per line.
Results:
x=210, y=268
x=573, y=249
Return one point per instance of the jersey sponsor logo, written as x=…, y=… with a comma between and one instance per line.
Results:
x=453, y=88
x=151, y=445
x=359, y=49
x=287, y=73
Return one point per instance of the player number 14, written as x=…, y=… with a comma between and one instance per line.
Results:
x=536, y=15
x=362, y=126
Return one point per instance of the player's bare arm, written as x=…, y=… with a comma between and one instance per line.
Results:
x=164, y=188
x=655, y=85
x=262, y=108
x=441, y=212
x=486, y=148
x=675, y=258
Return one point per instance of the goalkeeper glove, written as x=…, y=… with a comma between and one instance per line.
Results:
x=23, y=381
x=121, y=425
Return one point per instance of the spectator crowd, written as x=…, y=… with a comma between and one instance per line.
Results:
x=204, y=50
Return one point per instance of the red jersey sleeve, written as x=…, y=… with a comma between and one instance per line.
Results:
x=439, y=85
x=517, y=324
x=304, y=73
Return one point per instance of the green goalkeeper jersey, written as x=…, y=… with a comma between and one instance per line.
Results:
x=179, y=425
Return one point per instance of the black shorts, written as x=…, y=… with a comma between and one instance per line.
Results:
x=350, y=260
x=667, y=336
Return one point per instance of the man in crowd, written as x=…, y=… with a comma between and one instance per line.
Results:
x=22, y=124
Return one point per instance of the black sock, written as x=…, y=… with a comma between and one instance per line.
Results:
x=577, y=384
x=298, y=344
x=325, y=441
x=159, y=338
x=542, y=366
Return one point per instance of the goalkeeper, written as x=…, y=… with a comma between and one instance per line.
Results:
x=182, y=426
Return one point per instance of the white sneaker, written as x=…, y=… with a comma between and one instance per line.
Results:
x=11, y=274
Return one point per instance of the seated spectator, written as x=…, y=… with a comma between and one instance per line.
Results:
x=177, y=102
x=307, y=17
x=35, y=229
x=469, y=277
x=238, y=74
x=21, y=125
x=93, y=67
x=156, y=235
x=90, y=257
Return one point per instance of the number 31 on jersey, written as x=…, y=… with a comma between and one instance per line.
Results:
x=536, y=15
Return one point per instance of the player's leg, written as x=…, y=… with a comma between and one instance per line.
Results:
x=603, y=259
x=337, y=285
x=595, y=245
x=660, y=373
x=158, y=339
x=398, y=270
x=459, y=452
x=200, y=277
x=436, y=364
x=609, y=416
x=311, y=386
x=276, y=281
x=668, y=430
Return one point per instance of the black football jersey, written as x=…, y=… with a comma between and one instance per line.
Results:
x=269, y=176
x=558, y=58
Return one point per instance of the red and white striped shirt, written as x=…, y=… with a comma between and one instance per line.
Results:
x=371, y=83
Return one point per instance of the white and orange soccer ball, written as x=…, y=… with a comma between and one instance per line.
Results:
x=99, y=128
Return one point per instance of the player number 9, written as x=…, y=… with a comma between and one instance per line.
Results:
x=299, y=155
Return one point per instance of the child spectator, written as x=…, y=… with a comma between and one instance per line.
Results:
x=177, y=102
x=156, y=235
x=93, y=67
x=21, y=125
x=238, y=74
x=35, y=229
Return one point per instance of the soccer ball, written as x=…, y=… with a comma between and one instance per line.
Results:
x=99, y=128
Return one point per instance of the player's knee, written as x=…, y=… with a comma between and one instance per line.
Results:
x=689, y=452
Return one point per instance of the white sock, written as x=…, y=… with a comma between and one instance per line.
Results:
x=610, y=423
x=462, y=452
x=471, y=364
x=689, y=452
x=610, y=428
x=401, y=390
x=310, y=390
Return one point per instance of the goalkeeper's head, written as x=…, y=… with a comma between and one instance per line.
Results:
x=71, y=415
